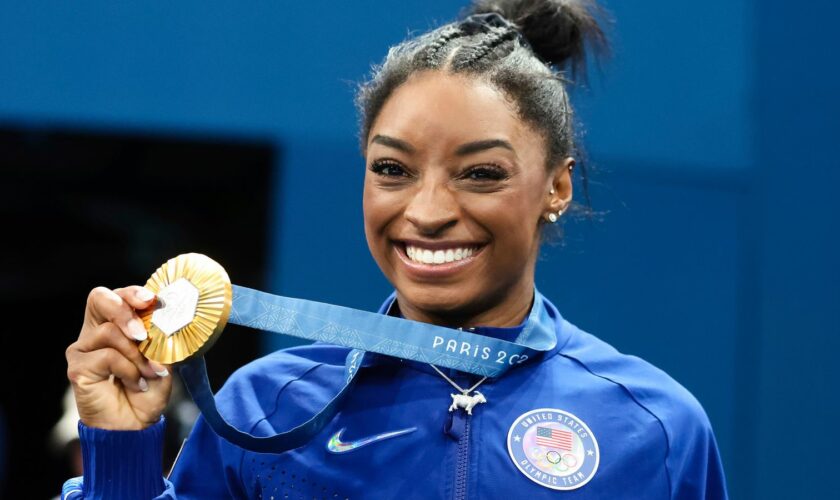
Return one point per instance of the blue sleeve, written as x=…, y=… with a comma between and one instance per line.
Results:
x=119, y=464
x=127, y=465
x=692, y=461
x=695, y=464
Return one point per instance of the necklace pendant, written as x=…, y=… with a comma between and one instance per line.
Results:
x=466, y=402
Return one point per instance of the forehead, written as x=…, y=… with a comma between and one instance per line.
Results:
x=444, y=110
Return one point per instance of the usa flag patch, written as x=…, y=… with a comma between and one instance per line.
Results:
x=553, y=448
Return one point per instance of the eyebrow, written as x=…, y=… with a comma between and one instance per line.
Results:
x=463, y=150
x=476, y=146
x=392, y=142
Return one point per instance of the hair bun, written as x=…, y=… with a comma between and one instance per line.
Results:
x=557, y=30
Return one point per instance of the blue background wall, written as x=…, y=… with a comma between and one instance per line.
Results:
x=712, y=129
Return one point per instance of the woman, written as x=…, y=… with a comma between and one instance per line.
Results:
x=468, y=139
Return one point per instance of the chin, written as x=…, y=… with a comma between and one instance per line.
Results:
x=439, y=300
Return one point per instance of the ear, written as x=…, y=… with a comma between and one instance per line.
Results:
x=561, y=182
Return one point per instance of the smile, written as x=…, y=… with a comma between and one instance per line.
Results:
x=438, y=256
x=435, y=260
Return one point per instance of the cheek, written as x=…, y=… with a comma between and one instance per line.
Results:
x=372, y=215
x=381, y=209
x=513, y=222
x=374, y=208
x=367, y=208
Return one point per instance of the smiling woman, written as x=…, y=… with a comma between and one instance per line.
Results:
x=468, y=139
x=453, y=170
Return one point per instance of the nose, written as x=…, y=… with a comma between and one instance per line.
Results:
x=432, y=208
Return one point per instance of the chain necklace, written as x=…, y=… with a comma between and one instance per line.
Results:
x=463, y=400
x=465, y=392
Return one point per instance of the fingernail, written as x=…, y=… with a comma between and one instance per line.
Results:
x=145, y=295
x=137, y=330
x=144, y=386
x=159, y=369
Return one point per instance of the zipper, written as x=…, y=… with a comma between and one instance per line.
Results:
x=462, y=465
x=463, y=460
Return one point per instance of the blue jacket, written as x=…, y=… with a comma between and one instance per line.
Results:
x=583, y=419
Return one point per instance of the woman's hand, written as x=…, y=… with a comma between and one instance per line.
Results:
x=115, y=386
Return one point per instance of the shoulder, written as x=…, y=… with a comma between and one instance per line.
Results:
x=648, y=386
x=692, y=456
x=643, y=384
x=253, y=392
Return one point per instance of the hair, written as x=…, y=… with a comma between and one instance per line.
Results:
x=521, y=47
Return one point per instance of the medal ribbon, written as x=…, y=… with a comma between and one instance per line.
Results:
x=363, y=332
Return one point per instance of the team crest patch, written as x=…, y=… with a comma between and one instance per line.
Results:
x=553, y=448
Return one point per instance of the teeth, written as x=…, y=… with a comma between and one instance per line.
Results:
x=426, y=256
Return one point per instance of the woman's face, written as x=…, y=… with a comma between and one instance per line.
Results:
x=455, y=189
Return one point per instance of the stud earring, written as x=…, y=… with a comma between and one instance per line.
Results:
x=552, y=217
x=552, y=191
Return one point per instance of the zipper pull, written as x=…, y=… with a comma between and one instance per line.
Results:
x=455, y=425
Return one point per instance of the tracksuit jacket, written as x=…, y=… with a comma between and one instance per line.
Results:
x=580, y=421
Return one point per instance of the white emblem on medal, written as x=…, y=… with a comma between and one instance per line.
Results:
x=178, y=300
x=553, y=448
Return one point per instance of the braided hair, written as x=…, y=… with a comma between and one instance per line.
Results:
x=522, y=47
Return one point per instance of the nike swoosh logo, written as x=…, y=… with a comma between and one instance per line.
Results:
x=336, y=445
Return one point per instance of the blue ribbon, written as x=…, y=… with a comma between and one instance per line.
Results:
x=362, y=331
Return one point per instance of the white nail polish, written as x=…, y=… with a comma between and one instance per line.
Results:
x=144, y=386
x=145, y=295
x=137, y=330
x=159, y=370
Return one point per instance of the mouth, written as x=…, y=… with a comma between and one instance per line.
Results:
x=437, y=258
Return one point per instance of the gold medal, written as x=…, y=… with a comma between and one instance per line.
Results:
x=194, y=300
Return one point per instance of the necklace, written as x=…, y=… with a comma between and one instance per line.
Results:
x=463, y=400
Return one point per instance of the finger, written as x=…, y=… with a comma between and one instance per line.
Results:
x=122, y=368
x=160, y=369
x=106, y=306
x=141, y=298
x=109, y=335
x=137, y=297
x=103, y=363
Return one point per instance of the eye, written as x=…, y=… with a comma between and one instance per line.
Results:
x=486, y=173
x=388, y=168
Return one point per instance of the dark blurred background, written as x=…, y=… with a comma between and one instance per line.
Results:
x=130, y=133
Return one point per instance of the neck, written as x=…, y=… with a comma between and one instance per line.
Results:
x=509, y=309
